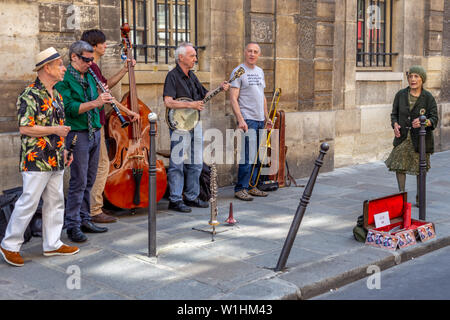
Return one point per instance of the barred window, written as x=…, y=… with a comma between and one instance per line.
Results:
x=374, y=33
x=158, y=26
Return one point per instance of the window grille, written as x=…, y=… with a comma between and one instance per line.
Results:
x=158, y=26
x=374, y=33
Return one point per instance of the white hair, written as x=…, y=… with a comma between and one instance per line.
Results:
x=181, y=50
x=78, y=47
x=251, y=42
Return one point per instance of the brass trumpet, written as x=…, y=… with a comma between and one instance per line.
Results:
x=272, y=114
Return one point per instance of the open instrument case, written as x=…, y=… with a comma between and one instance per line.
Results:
x=402, y=230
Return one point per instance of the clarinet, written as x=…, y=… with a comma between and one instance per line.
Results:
x=124, y=122
x=72, y=146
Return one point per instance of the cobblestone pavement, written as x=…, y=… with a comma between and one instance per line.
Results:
x=239, y=263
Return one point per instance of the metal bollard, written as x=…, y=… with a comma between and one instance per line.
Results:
x=422, y=169
x=301, y=210
x=152, y=117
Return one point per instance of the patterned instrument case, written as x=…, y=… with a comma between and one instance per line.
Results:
x=402, y=230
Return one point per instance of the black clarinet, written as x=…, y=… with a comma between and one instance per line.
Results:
x=124, y=122
x=72, y=146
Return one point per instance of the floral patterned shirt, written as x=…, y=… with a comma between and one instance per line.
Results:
x=36, y=107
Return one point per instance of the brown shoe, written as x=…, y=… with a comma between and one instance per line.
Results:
x=103, y=218
x=243, y=195
x=257, y=193
x=13, y=258
x=64, y=250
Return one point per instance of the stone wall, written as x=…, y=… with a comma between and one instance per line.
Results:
x=364, y=102
x=445, y=80
x=29, y=27
x=18, y=45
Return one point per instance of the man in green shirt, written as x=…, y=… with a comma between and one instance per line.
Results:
x=81, y=105
x=97, y=39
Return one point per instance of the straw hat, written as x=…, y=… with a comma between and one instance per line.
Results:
x=44, y=57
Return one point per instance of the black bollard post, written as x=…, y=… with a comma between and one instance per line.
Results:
x=422, y=169
x=152, y=117
x=301, y=210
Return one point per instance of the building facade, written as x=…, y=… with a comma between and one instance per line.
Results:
x=339, y=64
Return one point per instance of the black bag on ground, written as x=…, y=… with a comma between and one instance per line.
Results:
x=267, y=185
x=6, y=208
x=7, y=202
x=359, y=232
x=264, y=184
x=205, y=183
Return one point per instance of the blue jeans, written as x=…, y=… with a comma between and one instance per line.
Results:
x=83, y=171
x=245, y=169
x=185, y=164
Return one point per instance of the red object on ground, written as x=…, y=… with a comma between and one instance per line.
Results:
x=231, y=220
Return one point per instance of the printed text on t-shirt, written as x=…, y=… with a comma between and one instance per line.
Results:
x=254, y=79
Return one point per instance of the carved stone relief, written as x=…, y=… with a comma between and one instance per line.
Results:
x=262, y=29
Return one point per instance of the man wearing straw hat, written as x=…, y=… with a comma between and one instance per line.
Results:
x=43, y=157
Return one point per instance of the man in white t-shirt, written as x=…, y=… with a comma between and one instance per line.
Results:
x=250, y=109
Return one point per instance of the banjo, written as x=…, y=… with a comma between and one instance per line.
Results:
x=186, y=119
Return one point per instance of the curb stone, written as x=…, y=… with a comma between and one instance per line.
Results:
x=307, y=291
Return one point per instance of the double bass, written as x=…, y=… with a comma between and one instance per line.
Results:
x=128, y=179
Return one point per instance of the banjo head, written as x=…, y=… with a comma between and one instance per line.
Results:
x=183, y=119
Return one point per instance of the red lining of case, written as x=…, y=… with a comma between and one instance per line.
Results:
x=394, y=205
x=414, y=225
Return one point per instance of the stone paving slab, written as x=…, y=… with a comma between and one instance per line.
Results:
x=335, y=270
x=240, y=263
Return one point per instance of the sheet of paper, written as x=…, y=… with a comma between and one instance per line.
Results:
x=382, y=219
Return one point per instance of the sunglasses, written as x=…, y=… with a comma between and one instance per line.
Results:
x=87, y=60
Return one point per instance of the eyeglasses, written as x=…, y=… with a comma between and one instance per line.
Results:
x=87, y=60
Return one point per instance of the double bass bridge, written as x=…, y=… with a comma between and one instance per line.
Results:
x=137, y=157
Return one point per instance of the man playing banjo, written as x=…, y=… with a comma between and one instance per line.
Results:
x=181, y=82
